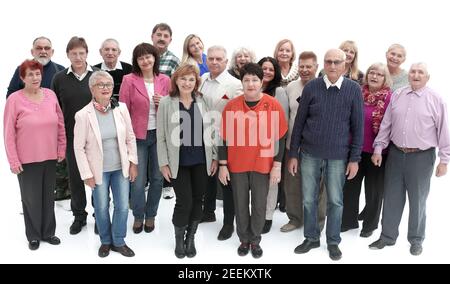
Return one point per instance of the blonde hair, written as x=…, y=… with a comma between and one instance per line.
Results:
x=387, y=76
x=279, y=44
x=354, y=65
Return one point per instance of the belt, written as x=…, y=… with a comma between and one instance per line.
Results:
x=408, y=150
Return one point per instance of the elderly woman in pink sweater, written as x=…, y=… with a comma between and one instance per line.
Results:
x=35, y=139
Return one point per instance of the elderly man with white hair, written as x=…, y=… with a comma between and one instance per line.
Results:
x=328, y=136
x=415, y=123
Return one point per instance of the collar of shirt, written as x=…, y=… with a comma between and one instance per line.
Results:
x=338, y=83
x=105, y=68
x=220, y=79
x=80, y=77
x=418, y=92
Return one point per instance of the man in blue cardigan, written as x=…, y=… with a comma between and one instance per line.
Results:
x=328, y=137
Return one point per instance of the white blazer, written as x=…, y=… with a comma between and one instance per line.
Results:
x=88, y=146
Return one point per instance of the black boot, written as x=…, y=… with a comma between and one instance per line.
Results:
x=180, y=251
x=190, y=244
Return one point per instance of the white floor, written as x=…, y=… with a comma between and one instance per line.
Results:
x=158, y=246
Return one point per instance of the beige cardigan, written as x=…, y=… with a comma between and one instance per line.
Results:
x=88, y=147
x=168, y=133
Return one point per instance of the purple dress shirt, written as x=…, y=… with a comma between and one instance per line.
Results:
x=415, y=119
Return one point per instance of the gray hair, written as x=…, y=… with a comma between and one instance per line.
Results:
x=41, y=37
x=97, y=74
x=387, y=75
x=342, y=53
x=218, y=47
x=421, y=64
x=110, y=40
x=241, y=50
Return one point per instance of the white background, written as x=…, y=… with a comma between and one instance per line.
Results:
x=312, y=25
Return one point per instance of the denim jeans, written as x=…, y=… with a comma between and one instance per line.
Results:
x=148, y=168
x=112, y=233
x=334, y=177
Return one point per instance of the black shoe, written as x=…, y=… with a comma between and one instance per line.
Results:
x=226, y=232
x=415, y=249
x=149, y=228
x=306, y=246
x=243, y=249
x=334, y=252
x=379, y=244
x=208, y=217
x=267, y=226
x=256, y=250
x=138, y=227
x=95, y=228
x=123, y=250
x=103, y=251
x=76, y=226
x=365, y=234
x=33, y=245
x=53, y=240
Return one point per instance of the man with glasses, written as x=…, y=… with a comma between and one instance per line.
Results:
x=72, y=89
x=42, y=51
x=328, y=135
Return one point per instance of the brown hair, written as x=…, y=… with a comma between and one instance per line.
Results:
x=185, y=69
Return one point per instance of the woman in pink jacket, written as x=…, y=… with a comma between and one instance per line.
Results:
x=105, y=150
x=141, y=91
x=35, y=139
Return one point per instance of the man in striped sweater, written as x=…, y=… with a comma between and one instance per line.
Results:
x=328, y=136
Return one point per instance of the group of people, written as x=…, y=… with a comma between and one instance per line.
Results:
x=258, y=131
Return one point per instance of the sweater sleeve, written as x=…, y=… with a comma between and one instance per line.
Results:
x=9, y=133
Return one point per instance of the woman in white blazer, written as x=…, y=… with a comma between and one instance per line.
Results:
x=105, y=150
x=186, y=153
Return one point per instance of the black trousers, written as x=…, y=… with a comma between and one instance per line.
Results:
x=374, y=187
x=37, y=186
x=189, y=187
x=78, y=192
x=209, y=205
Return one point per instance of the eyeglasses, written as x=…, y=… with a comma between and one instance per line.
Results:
x=335, y=62
x=107, y=85
x=47, y=48
x=373, y=74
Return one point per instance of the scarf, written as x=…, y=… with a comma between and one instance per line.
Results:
x=377, y=100
x=100, y=108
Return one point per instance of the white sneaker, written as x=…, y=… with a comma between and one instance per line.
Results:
x=167, y=193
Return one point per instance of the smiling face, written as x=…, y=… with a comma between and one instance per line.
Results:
x=242, y=58
x=418, y=76
x=395, y=57
x=350, y=54
x=285, y=53
x=216, y=62
x=32, y=79
x=269, y=72
x=195, y=47
x=146, y=62
x=102, y=89
x=186, y=83
x=307, y=68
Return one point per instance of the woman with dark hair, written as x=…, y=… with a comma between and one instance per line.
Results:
x=254, y=128
x=141, y=91
x=186, y=154
x=35, y=138
x=271, y=86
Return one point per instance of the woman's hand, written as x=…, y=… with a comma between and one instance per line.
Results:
x=213, y=168
x=60, y=159
x=156, y=99
x=133, y=172
x=224, y=175
x=17, y=170
x=165, y=171
x=275, y=174
x=90, y=182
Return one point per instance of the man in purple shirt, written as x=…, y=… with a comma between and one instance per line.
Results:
x=414, y=124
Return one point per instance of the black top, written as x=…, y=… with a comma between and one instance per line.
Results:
x=118, y=76
x=192, y=149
